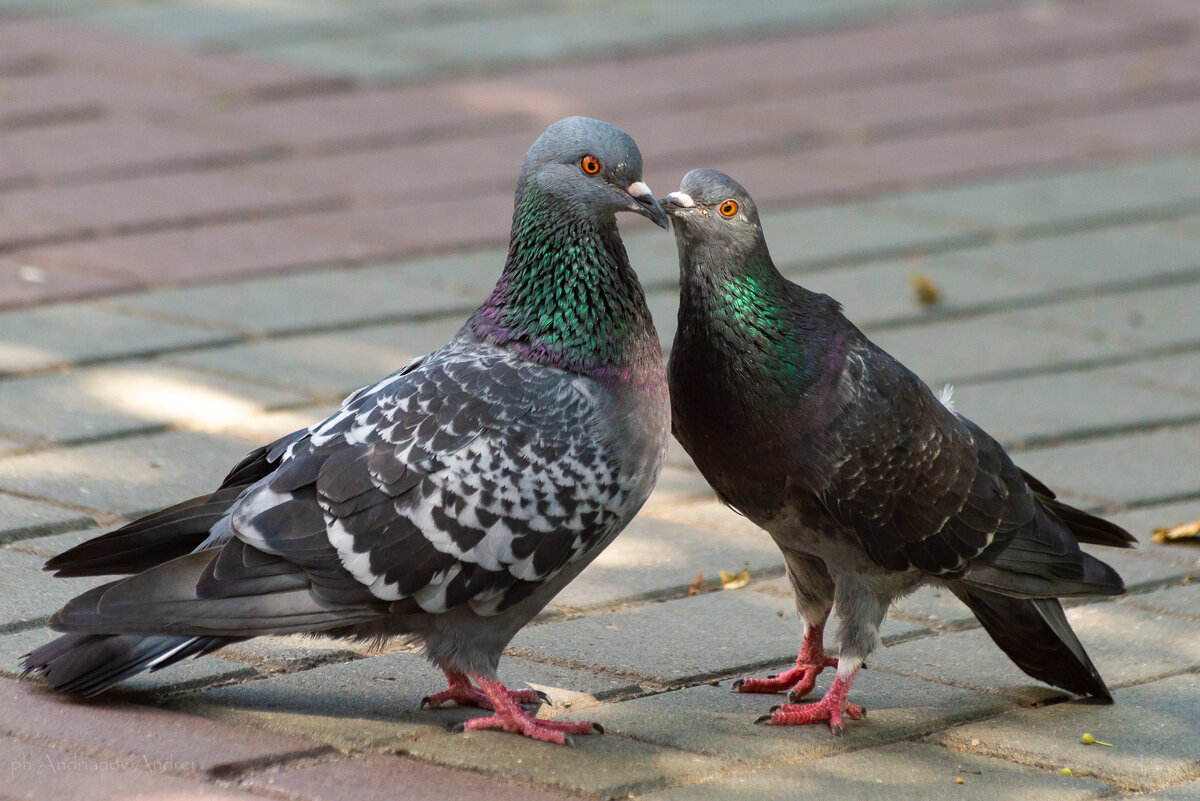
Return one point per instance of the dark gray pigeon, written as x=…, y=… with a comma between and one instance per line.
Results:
x=447, y=503
x=869, y=484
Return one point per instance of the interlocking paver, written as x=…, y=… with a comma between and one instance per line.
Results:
x=1149, y=726
x=109, y=400
x=1126, y=645
x=29, y=594
x=377, y=777
x=208, y=746
x=743, y=631
x=1182, y=600
x=1070, y=404
x=714, y=721
x=1061, y=198
x=40, y=771
x=129, y=476
x=301, y=302
x=1181, y=792
x=653, y=557
x=24, y=517
x=1122, y=469
x=51, y=336
x=903, y=772
x=328, y=364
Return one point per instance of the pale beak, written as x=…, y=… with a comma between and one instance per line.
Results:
x=645, y=204
x=680, y=200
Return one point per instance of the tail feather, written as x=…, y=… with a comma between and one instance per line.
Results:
x=1036, y=636
x=1089, y=528
x=87, y=664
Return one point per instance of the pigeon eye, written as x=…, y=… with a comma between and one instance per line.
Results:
x=590, y=165
x=728, y=208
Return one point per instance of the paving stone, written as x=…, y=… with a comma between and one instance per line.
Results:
x=1125, y=468
x=50, y=281
x=328, y=365
x=23, y=517
x=381, y=696
x=1082, y=260
x=45, y=546
x=1064, y=197
x=32, y=594
x=178, y=198
x=65, y=334
x=1024, y=410
x=712, y=720
x=677, y=487
x=106, y=146
x=133, y=396
x=960, y=350
x=1144, y=521
x=134, y=475
x=1187, y=791
x=882, y=292
x=144, y=732
x=1125, y=644
x=376, y=777
x=1182, y=600
x=611, y=767
x=39, y=771
x=1145, y=318
x=743, y=631
x=1150, y=727
x=300, y=302
x=652, y=557
x=905, y=771
x=709, y=514
x=188, y=674
x=197, y=24
x=1139, y=572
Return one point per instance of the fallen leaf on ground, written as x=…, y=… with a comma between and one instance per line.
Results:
x=734, y=581
x=1182, y=533
x=697, y=582
x=928, y=292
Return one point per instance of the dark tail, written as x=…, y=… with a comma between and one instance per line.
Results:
x=87, y=664
x=1036, y=636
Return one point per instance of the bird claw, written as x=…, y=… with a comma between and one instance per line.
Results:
x=736, y=686
x=762, y=720
x=545, y=698
x=457, y=728
x=424, y=702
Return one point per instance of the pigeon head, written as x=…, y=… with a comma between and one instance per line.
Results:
x=714, y=213
x=590, y=168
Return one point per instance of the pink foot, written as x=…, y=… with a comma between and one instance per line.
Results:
x=510, y=717
x=832, y=707
x=463, y=693
x=800, y=679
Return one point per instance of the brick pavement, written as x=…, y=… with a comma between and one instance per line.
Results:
x=217, y=219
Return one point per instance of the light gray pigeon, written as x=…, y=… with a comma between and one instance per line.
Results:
x=867, y=482
x=447, y=503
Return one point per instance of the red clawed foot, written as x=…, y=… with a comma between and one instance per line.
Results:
x=800, y=679
x=832, y=707
x=510, y=717
x=463, y=693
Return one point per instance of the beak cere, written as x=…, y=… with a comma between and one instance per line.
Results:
x=681, y=199
x=647, y=206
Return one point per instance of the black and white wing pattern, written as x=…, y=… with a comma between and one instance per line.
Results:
x=919, y=485
x=468, y=477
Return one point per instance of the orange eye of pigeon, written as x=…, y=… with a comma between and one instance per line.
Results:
x=728, y=208
x=590, y=165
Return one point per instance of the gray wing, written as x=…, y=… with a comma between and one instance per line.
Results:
x=920, y=486
x=469, y=477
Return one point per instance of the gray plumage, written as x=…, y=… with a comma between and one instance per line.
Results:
x=447, y=503
x=869, y=484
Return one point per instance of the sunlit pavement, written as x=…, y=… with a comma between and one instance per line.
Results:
x=218, y=218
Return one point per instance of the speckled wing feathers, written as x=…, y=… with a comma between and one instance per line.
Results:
x=469, y=477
